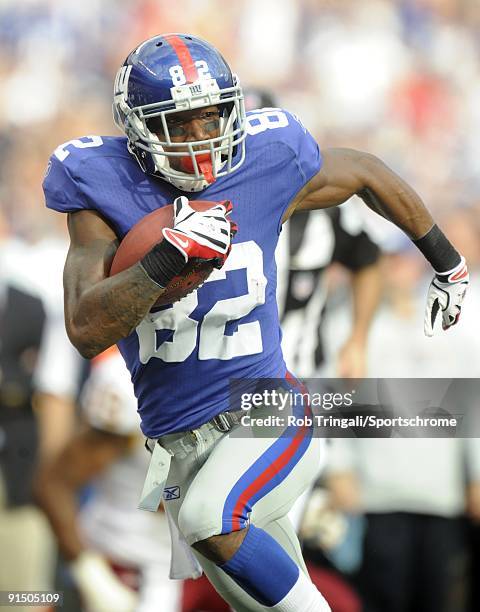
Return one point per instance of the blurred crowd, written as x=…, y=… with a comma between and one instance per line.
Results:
x=409, y=67
x=397, y=78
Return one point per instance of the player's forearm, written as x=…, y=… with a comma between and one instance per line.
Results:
x=53, y=409
x=58, y=502
x=110, y=310
x=391, y=197
x=388, y=195
x=366, y=289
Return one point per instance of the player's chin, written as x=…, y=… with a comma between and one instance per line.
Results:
x=182, y=164
x=175, y=164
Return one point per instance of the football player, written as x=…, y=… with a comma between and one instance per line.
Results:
x=187, y=132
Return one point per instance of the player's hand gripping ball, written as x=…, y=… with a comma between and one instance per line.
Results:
x=195, y=229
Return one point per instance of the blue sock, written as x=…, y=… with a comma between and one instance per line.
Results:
x=262, y=568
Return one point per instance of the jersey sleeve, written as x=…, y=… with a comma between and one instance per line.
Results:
x=308, y=158
x=61, y=188
x=108, y=401
x=294, y=155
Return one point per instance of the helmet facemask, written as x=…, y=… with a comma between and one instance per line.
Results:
x=155, y=153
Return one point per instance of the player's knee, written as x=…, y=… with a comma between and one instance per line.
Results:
x=221, y=548
x=200, y=523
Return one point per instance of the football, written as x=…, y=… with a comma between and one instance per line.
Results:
x=148, y=232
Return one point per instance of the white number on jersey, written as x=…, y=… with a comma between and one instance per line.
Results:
x=61, y=152
x=179, y=78
x=266, y=119
x=213, y=342
x=247, y=340
x=175, y=319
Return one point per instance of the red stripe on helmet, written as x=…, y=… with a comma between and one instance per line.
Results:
x=184, y=56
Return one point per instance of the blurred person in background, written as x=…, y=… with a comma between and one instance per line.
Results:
x=405, y=278
x=415, y=492
x=24, y=537
x=314, y=241
x=118, y=556
x=415, y=553
x=308, y=245
x=473, y=512
x=464, y=226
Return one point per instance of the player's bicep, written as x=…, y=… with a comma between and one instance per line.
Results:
x=343, y=174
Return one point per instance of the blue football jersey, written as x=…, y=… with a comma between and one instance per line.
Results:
x=182, y=356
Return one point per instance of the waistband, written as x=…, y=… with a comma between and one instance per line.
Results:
x=185, y=441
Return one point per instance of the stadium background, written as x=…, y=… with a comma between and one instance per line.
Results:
x=399, y=78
